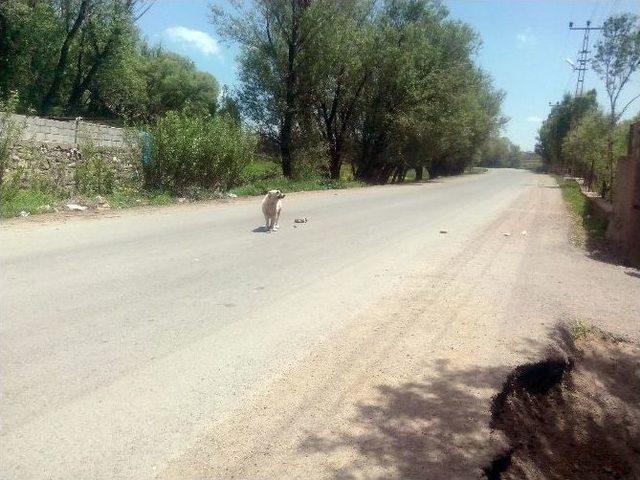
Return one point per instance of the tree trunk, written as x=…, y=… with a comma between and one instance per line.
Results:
x=610, y=156
x=335, y=165
x=591, y=173
x=285, y=146
x=49, y=97
x=419, y=173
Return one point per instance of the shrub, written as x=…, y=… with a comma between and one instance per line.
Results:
x=94, y=174
x=9, y=131
x=197, y=152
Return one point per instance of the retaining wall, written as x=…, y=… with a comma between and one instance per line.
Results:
x=68, y=133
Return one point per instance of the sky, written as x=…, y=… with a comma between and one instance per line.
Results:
x=525, y=44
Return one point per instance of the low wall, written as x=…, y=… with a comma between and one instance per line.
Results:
x=65, y=169
x=68, y=133
x=64, y=156
x=624, y=228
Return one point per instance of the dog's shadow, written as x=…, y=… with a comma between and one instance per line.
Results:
x=261, y=229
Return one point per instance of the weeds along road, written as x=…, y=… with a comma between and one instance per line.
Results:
x=179, y=343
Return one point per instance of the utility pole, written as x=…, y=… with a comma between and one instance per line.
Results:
x=583, y=56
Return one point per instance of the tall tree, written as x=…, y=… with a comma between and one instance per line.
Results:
x=616, y=60
x=73, y=15
x=275, y=37
x=340, y=66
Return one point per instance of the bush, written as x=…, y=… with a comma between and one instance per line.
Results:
x=201, y=152
x=9, y=131
x=94, y=174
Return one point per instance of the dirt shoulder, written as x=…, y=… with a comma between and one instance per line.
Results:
x=572, y=416
x=405, y=390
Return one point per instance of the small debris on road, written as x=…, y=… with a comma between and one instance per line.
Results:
x=523, y=233
x=75, y=206
x=444, y=231
x=232, y=195
x=301, y=220
x=24, y=214
x=506, y=234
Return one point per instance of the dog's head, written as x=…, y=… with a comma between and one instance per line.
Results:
x=276, y=194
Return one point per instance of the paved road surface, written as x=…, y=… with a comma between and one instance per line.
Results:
x=182, y=343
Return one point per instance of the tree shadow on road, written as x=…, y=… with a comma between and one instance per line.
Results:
x=434, y=428
x=438, y=428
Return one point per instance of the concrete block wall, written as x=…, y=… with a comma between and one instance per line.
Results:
x=68, y=133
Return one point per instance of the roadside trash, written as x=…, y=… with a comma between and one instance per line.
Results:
x=506, y=234
x=301, y=220
x=524, y=232
x=75, y=206
x=182, y=200
x=232, y=195
x=444, y=231
x=24, y=214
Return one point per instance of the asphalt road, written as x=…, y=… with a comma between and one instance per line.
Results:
x=125, y=341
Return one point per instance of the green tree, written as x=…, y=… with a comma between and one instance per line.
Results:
x=557, y=125
x=275, y=37
x=616, y=60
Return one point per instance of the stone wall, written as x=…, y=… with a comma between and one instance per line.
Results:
x=68, y=133
x=69, y=170
x=624, y=227
x=71, y=156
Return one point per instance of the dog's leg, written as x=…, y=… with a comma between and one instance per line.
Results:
x=266, y=222
x=276, y=226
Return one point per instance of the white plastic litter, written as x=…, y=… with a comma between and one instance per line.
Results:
x=75, y=206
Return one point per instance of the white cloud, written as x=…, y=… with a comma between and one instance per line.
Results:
x=526, y=39
x=199, y=40
x=534, y=119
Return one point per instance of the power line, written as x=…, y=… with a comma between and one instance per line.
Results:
x=583, y=56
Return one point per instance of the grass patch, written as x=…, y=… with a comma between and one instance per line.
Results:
x=287, y=185
x=580, y=330
x=594, y=227
x=475, y=170
x=25, y=200
x=260, y=170
x=132, y=198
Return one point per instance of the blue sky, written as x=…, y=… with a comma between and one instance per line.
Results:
x=525, y=44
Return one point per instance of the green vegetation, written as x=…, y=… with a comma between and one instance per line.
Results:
x=387, y=88
x=500, y=152
x=332, y=94
x=593, y=226
x=70, y=57
x=578, y=138
x=579, y=330
x=15, y=201
x=288, y=185
x=197, y=152
x=9, y=131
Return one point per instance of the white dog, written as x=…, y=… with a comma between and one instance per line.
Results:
x=271, y=207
